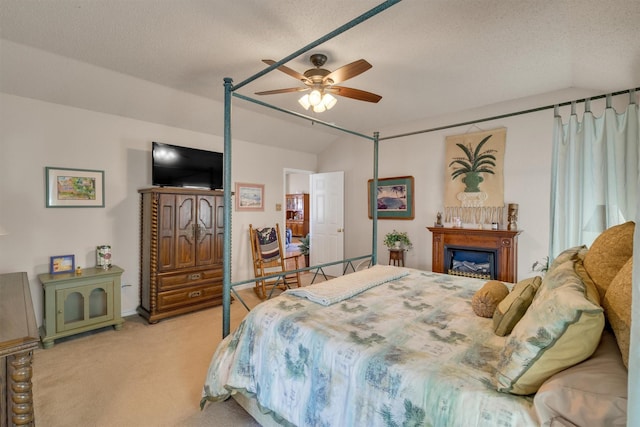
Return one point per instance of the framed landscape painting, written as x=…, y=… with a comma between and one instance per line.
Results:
x=249, y=197
x=393, y=197
x=74, y=188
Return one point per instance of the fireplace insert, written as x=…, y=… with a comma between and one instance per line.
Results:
x=471, y=262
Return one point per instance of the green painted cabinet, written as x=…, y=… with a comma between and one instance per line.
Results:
x=75, y=303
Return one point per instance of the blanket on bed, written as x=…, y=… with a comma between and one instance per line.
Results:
x=347, y=286
x=406, y=352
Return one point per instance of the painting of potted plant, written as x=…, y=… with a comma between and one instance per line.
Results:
x=474, y=163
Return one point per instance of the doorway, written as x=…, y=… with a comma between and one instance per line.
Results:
x=323, y=215
x=296, y=210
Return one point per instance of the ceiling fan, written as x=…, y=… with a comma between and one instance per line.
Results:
x=322, y=83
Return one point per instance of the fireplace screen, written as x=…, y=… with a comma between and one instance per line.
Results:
x=470, y=262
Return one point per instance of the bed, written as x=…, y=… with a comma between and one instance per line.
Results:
x=396, y=346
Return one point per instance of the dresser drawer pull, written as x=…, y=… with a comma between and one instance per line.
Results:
x=195, y=294
x=195, y=276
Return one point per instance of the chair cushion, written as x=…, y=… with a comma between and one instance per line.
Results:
x=608, y=253
x=511, y=309
x=617, y=308
x=591, y=393
x=268, y=243
x=486, y=299
x=561, y=328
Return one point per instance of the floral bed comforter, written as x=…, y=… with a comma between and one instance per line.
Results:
x=406, y=352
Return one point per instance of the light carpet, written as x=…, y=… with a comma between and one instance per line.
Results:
x=142, y=375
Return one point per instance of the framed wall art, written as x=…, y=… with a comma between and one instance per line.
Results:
x=249, y=197
x=74, y=188
x=62, y=264
x=393, y=197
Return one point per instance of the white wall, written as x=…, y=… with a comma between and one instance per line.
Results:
x=36, y=134
x=297, y=183
x=527, y=182
x=527, y=175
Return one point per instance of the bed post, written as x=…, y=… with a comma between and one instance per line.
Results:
x=374, y=204
x=226, y=258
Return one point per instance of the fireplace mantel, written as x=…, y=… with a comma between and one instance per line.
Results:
x=504, y=242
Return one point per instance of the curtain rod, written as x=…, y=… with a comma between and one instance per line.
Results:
x=502, y=116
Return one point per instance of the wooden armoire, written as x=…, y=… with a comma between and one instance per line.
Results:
x=181, y=243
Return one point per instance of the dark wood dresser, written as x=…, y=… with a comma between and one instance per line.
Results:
x=18, y=338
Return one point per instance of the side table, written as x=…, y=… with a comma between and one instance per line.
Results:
x=397, y=257
x=75, y=303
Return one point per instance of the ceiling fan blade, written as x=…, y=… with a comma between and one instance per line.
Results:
x=293, y=73
x=346, y=72
x=287, y=90
x=358, y=94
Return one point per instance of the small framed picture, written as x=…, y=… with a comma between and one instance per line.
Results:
x=62, y=264
x=74, y=188
x=249, y=197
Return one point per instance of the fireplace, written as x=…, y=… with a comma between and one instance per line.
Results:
x=485, y=254
x=470, y=262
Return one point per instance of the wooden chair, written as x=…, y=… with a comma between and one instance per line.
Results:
x=269, y=258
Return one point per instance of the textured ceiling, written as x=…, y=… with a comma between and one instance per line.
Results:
x=430, y=57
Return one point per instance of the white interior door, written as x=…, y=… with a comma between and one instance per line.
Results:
x=327, y=220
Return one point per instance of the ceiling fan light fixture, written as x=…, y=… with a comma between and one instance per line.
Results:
x=315, y=97
x=304, y=101
x=320, y=108
x=329, y=101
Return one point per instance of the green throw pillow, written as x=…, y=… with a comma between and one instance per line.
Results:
x=511, y=309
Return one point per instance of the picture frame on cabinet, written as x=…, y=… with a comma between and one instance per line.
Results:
x=393, y=197
x=62, y=264
x=249, y=197
x=74, y=188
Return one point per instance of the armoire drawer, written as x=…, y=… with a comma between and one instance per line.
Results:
x=167, y=282
x=170, y=300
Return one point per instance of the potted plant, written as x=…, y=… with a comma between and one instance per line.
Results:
x=398, y=240
x=304, y=248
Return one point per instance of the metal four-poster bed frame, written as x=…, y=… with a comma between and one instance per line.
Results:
x=229, y=91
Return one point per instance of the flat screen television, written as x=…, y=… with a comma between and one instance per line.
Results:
x=175, y=166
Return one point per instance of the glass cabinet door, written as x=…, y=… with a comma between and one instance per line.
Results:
x=83, y=305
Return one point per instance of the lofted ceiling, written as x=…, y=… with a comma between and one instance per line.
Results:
x=430, y=58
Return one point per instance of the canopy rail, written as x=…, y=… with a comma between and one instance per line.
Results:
x=299, y=115
x=369, y=14
x=516, y=113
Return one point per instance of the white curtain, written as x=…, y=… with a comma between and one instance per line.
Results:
x=594, y=185
x=595, y=171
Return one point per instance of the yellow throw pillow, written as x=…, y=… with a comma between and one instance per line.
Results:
x=617, y=308
x=561, y=328
x=608, y=253
x=513, y=306
x=486, y=299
